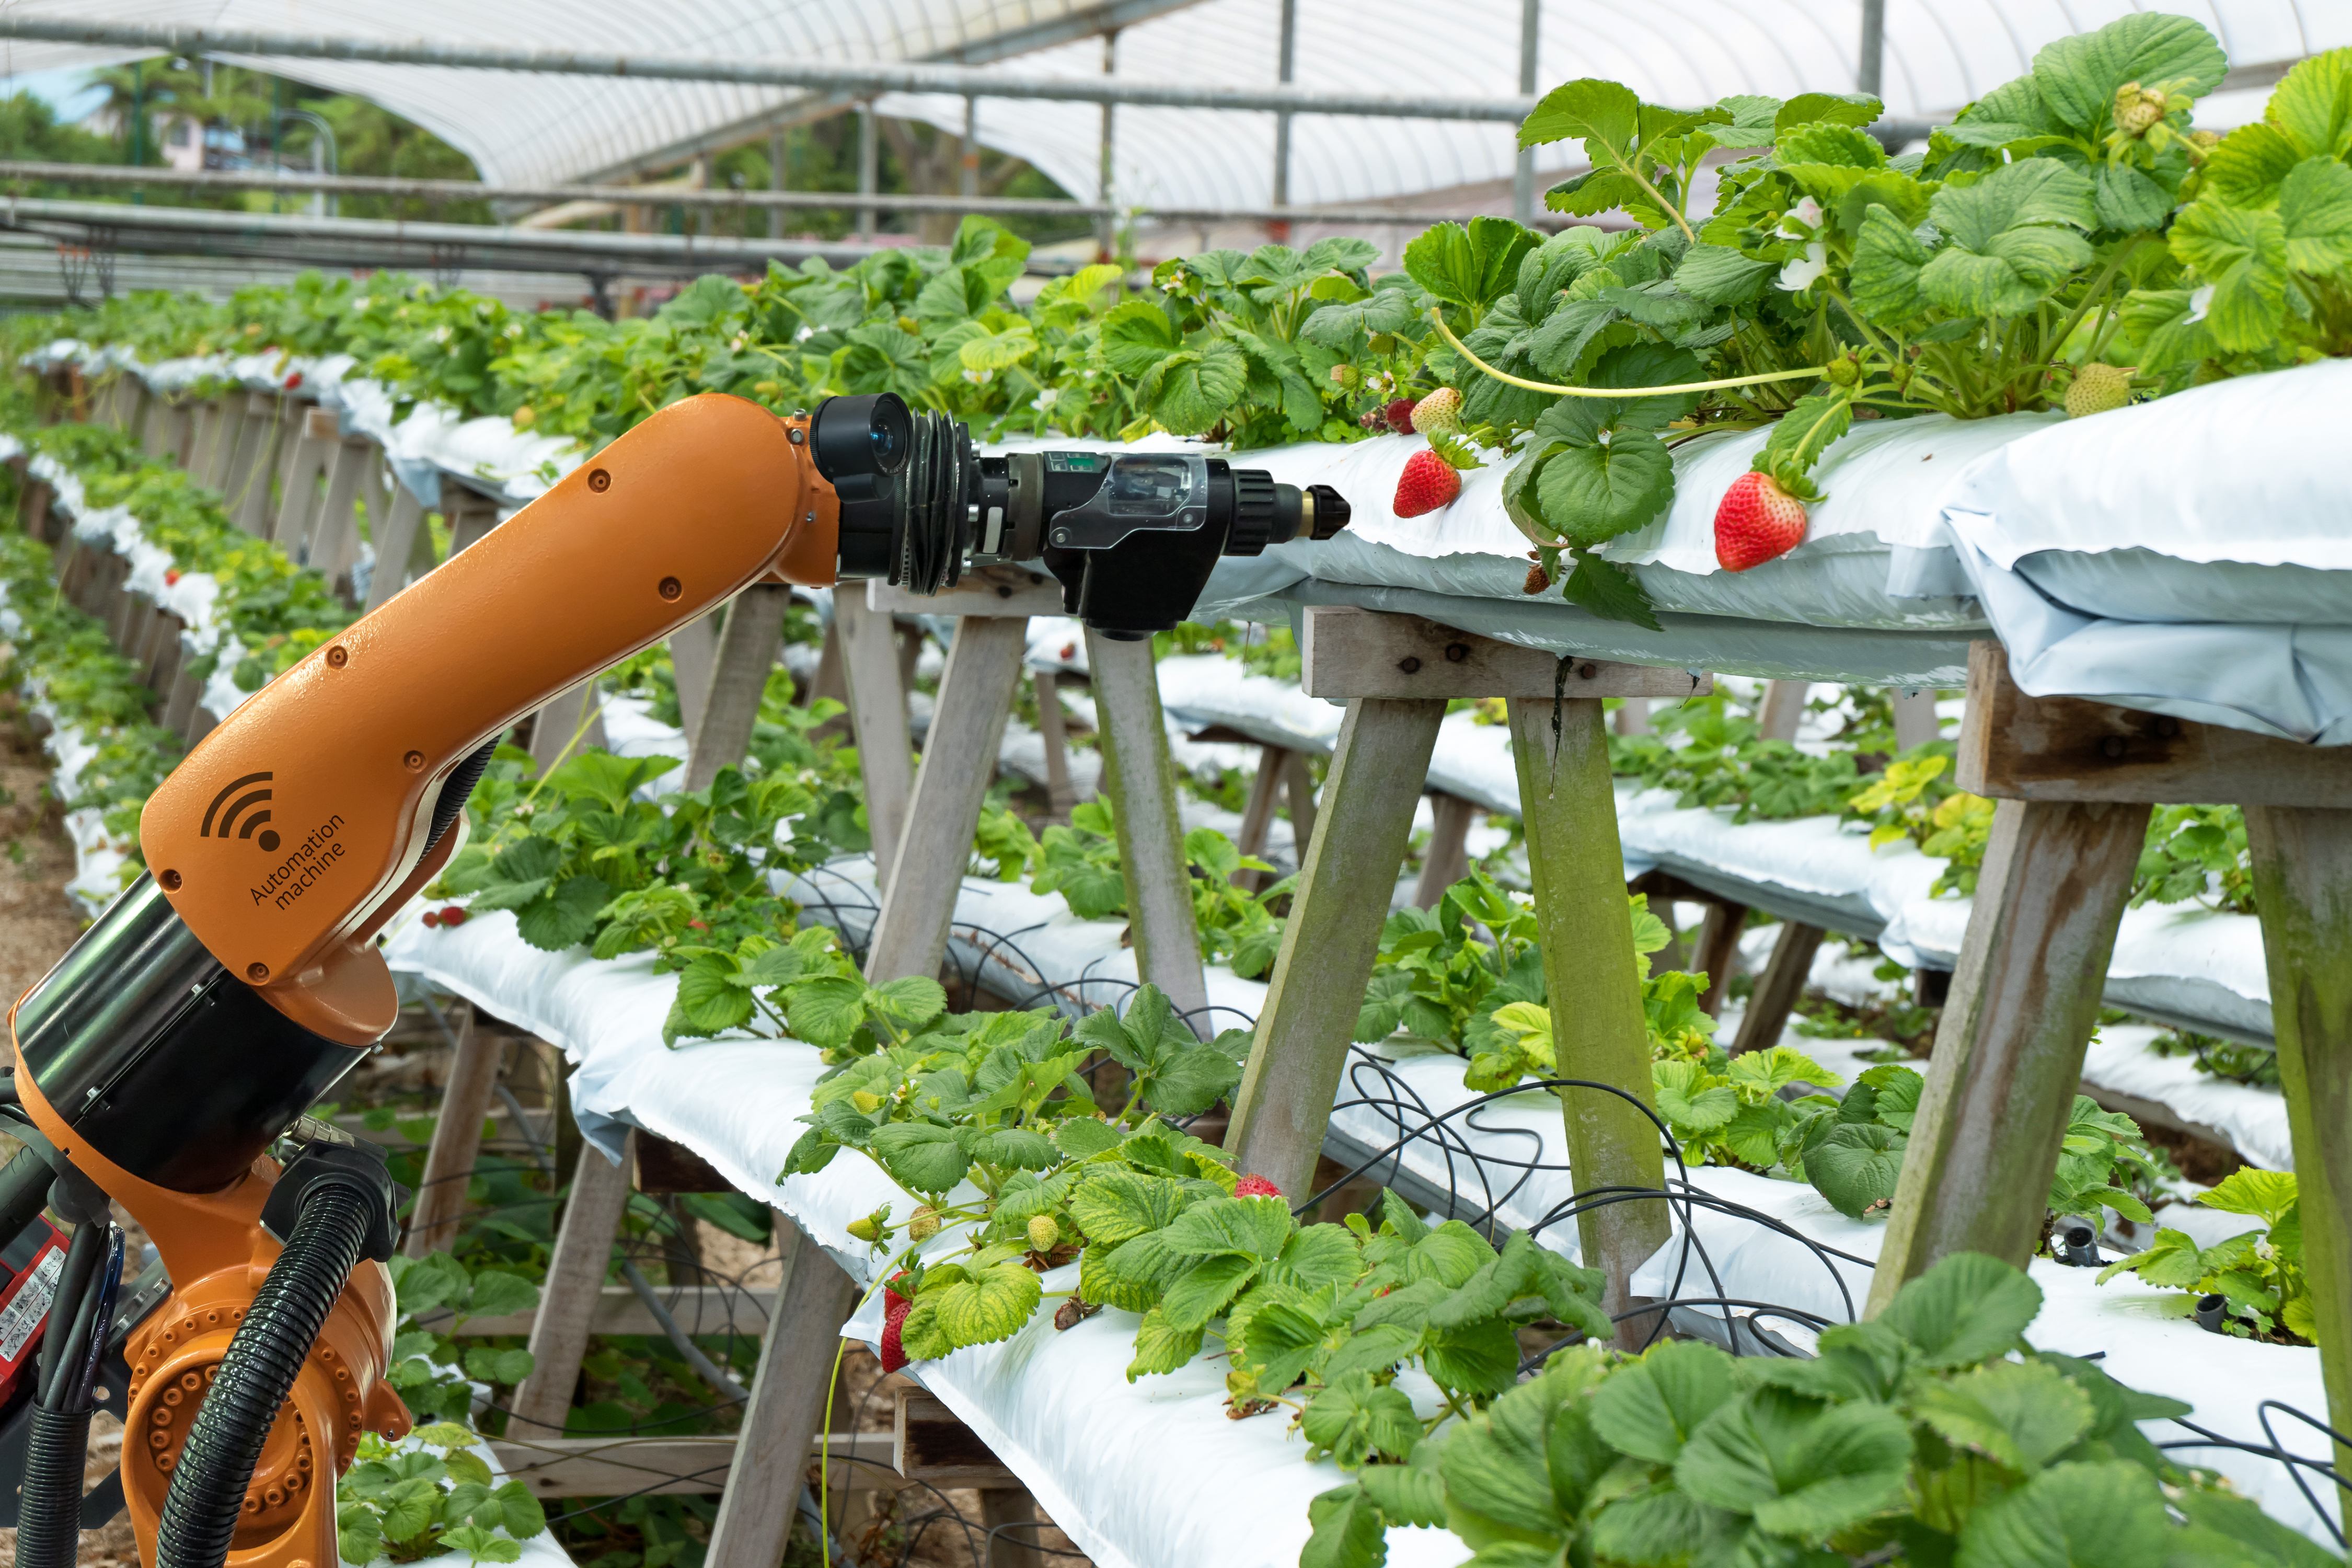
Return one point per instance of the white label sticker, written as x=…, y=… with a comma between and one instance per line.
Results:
x=28, y=1306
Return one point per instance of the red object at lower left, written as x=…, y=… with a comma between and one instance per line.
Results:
x=29, y=1271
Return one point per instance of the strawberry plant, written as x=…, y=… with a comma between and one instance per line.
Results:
x=1932, y=1433
x=428, y=1370
x=2259, y=1274
x=2196, y=853
x=428, y=1495
x=1079, y=860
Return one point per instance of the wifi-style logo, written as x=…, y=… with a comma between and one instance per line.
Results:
x=243, y=810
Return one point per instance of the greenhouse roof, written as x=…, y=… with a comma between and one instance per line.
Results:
x=543, y=127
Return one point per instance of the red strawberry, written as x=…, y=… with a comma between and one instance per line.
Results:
x=1428, y=482
x=432, y=919
x=171, y=575
x=1399, y=413
x=1757, y=521
x=1255, y=1187
x=894, y=1308
x=453, y=916
x=294, y=381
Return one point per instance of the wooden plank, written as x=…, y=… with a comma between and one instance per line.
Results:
x=1053, y=728
x=1916, y=723
x=1778, y=988
x=568, y=1298
x=469, y=514
x=699, y=1309
x=1447, y=860
x=929, y=1443
x=1784, y=707
x=786, y=1410
x=1010, y=1516
x=693, y=651
x=568, y=723
x=355, y=478
x=396, y=542
x=2015, y=747
x=747, y=652
x=1333, y=934
x=207, y=421
x=257, y=461
x=168, y=429
x=1298, y=793
x=1141, y=780
x=1632, y=718
x=1257, y=812
x=1577, y=869
x=2009, y=1052
x=2302, y=884
x=310, y=457
x=664, y=1168
x=1350, y=652
x=1717, y=953
x=474, y=1064
x=877, y=717
x=989, y=590
x=910, y=937
x=616, y=1467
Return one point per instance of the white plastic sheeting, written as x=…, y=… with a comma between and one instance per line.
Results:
x=1056, y=1407
x=1940, y=54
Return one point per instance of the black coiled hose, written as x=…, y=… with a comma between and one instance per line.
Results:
x=208, y=1486
x=48, y=1519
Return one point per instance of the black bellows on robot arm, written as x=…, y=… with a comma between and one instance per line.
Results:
x=1131, y=536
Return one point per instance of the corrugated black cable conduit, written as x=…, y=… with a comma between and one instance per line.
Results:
x=208, y=1485
x=49, y=1517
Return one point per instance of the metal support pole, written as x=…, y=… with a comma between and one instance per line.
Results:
x=779, y=152
x=869, y=165
x=968, y=186
x=1870, y=71
x=1105, y=181
x=1523, y=172
x=1286, y=70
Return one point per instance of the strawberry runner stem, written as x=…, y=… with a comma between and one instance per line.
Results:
x=1447, y=332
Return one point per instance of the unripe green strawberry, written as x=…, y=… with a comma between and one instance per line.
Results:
x=2096, y=389
x=1044, y=1234
x=922, y=1225
x=1439, y=414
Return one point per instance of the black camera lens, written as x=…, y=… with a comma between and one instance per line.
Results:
x=865, y=435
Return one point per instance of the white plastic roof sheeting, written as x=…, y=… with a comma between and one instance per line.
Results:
x=1939, y=55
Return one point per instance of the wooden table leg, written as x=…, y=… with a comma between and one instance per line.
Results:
x=1447, y=860
x=2008, y=1053
x=1014, y=1512
x=568, y=723
x=877, y=714
x=395, y=539
x=1054, y=730
x=1778, y=988
x=1299, y=795
x=1718, y=953
x=1345, y=882
x=910, y=937
x=574, y=1285
x=693, y=653
x=1593, y=980
x=1784, y=705
x=475, y=1058
x=1141, y=780
x=1916, y=723
x=787, y=1404
x=747, y=652
x=2302, y=882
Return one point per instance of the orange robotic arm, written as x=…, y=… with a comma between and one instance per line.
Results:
x=295, y=828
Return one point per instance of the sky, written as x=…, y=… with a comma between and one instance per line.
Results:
x=70, y=92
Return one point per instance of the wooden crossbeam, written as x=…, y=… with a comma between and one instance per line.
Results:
x=929, y=1443
x=2016, y=747
x=618, y=1310
x=1350, y=652
x=613, y=1466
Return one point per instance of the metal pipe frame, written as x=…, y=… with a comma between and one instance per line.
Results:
x=723, y=198
x=863, y=79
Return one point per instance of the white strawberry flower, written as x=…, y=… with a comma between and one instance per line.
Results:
x=441, y=334
x=1044, y=402
x=804, y=334
x=1805, y=270
x=1808, y=213
x=2199, y=302
x=977, y=377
